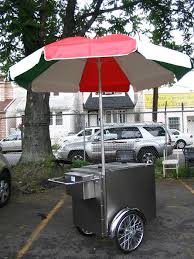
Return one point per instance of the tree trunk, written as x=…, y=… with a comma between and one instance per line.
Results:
x=155, y=104
x=36, y=145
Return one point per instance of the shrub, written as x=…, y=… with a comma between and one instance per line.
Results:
x=79, y=163
x=33, y=177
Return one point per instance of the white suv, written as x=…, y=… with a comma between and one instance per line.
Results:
x=148, y=141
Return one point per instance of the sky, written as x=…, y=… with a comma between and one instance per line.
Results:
x=187, y=81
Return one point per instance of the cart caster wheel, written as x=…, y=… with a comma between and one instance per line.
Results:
x=84, y=232
x=129, y=232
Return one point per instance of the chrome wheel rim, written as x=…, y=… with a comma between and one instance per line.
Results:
x=4, y=191
x=86, y=232
x=130, y=232
x=148, y=158
x=78, y=157
x=181, y=145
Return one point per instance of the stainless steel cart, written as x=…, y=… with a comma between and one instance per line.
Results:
x=120, y=209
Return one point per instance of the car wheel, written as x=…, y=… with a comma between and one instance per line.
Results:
x=76, y=155
x=5, y=189
x=180, y=144
x=147, y=156
x=129, y=232
x=84, y=232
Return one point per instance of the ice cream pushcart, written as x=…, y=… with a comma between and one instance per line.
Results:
x=121, y=209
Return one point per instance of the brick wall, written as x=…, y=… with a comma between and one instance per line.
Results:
x=6, y=90
x=2, y=126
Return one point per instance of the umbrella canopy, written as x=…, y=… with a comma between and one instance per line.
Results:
x=70, y=65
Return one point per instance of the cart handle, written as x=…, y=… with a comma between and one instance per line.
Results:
x=56, y=180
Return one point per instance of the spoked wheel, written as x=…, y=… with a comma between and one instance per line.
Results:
x=129, y=232
x=147, y=156
x=76, y=155
x=84, y=232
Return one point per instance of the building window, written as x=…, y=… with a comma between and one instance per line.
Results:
x=51, y=118
x=108, y=117
x=174, y=123
x=59, y=118
x=122, y=116
x=115, y=116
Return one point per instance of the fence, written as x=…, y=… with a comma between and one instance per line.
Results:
x=64, y=126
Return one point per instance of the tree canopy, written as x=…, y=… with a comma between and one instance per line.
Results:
x=29, y=24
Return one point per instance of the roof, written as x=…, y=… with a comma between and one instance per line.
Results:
x=4, y=104
x=113, y=102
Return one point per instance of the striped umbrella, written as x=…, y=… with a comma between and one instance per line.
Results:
x=73, y=64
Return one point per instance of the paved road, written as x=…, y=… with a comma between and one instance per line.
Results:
x=170, y=235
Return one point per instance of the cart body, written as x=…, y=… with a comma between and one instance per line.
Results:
x=128, y=186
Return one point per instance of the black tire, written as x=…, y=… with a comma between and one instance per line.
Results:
x=84, y=232
x=5, y=189
x=180, y=144
x=129, y=232
x=147, y=156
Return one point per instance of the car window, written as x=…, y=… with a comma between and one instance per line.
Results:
x=130, y=133
x=81, y=134
x=96, y=130
x=122, y=133
x=174, y=132
x=155, y=131
x=11, y=138
x=88, y=132
x=110, y=134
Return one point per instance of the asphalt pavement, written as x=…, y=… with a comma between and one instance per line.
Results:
x=32, y=226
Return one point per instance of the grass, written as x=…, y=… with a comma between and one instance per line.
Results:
x=79, y=163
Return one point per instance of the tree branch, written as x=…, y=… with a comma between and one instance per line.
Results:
x=97, y=12
x=84, y=16
x=92, y=19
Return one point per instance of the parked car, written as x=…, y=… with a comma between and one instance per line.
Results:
x=80, y=135
x=11, y=143
x=5, y=181
x=181, y=139
x=146, y=139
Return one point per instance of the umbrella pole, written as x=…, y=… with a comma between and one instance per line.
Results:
x=102, y=177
